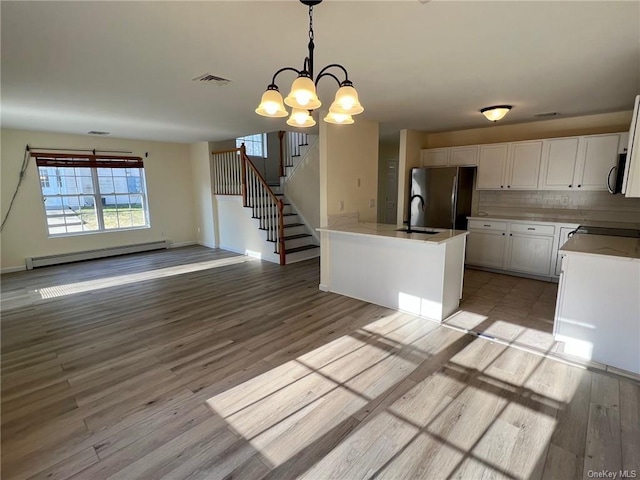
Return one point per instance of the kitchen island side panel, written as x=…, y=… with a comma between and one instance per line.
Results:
x=598, y=311
x=403, y=275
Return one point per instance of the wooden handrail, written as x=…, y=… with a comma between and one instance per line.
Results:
x=227, y=151
x=260, y=177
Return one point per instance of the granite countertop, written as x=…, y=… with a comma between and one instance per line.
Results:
x=391, y=232
x=621, y=247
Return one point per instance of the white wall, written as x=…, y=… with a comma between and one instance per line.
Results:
x=303, y=187
x=202, y=200
x=348, y=154
x=238, y=232
x=169, y=190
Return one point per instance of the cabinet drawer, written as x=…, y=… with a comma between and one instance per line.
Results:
x=487, y=225
x=533, y=229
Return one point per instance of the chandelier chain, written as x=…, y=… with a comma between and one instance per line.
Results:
x=311, y=22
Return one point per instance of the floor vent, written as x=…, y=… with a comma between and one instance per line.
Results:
x=35, y=262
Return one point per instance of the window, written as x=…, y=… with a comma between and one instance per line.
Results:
x=44, y=180
x=256, y=145
x=92, y=194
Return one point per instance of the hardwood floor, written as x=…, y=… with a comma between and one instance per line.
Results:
x=201, y=364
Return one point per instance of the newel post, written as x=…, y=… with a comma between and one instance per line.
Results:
x=243, y=168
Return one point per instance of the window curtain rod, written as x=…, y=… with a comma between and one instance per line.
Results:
x=78, y=150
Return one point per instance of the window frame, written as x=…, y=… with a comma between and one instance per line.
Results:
x=93, y=163
x=252, y=139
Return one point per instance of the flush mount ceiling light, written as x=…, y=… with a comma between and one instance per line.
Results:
x=496, y=112
x=303, y=98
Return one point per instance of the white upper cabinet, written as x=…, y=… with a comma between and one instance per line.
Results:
x=492, y=166
x=464, y=156
x=598, y=154
x=559, y=157
x=524, y=165
x=509, y=166
x=578, y=163
x=435, y=157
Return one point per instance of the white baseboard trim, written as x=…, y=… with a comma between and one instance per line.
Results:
x=208, y=245
x=268, y=258
x=182, y=244
x=323, y=288
x=13, y=269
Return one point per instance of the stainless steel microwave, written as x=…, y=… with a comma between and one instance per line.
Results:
x=615, y=179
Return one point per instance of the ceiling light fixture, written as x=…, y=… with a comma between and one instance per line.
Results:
x=495, y=113
x=303, y=98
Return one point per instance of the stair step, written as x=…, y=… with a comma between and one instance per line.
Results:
x=301, y=249
x=294, y=225
x=294, y=237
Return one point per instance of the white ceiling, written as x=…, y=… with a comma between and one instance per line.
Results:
x=127, y=67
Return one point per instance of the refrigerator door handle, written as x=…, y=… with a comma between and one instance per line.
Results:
x=453, y=201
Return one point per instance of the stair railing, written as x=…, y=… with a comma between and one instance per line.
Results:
x=235, y=174
x=290, y=148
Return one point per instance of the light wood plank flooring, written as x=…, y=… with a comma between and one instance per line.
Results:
x=198, y=363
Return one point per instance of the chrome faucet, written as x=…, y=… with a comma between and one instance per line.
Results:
x=410, y=202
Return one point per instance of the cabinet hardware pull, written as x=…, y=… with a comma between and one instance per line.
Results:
x=501, y=186
x=570, y=186
x=511, y=234
x=529, y=228
x=503, y=234
x=579, y=186
x=508, y=186
x=487, y=225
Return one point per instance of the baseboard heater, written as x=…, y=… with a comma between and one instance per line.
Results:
x=35, y=262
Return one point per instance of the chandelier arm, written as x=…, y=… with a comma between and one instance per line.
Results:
x=273, y=80
x=346, y=74
x=327, y=74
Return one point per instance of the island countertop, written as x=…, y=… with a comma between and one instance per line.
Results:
x=392, y=232
x=611, y=246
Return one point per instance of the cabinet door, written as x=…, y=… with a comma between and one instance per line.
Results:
x=564, y=236
x=558, y=163
x=529, y=253
x=524, y=165
x=492, y=165
x=435, y=157
x=486, y=249
x=463, y=156
x=598, y=154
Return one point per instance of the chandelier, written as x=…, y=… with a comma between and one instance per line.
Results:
x=303, y=98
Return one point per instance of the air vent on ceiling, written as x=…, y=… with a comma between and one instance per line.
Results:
x=95, y=132
x=547, y=114
x=207, y=77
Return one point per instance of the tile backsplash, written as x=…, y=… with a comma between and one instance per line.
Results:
x=583, y=205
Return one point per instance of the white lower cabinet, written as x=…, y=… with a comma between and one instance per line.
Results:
x=529, y=253
x=519, y=247
x=486, y=248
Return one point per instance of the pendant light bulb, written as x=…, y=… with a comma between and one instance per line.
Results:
x=271, y=104
x=346, y=101
x=338, y=118
x=303, y=94
x=300, y=118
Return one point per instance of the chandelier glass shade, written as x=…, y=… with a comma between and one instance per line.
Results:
x=302, y=97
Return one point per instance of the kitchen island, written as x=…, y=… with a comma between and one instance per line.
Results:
x=598, y=306
x=420, y=273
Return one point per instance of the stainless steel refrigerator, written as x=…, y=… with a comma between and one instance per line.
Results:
x=441, y=197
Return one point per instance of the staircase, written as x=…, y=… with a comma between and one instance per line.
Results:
x=233, y=174
x=299, y=243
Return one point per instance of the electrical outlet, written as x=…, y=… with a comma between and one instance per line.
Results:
x=340, y=206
